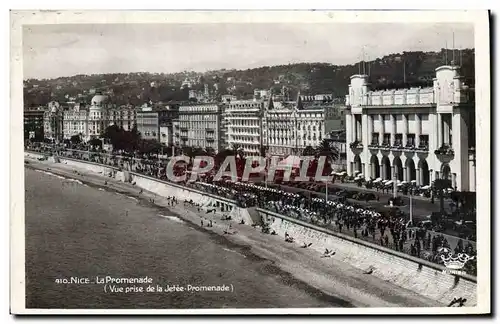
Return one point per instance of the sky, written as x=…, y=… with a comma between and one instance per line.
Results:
x=51, y=51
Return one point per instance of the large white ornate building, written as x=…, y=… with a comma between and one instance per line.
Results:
x=288, y=128
x=91, y=121
x=53, y=122
x=75, y=121
x=419, y=134
x=243, y=121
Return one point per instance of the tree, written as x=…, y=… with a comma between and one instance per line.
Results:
x=149, y=146
x=325, y=149
x=440, y=185
x=308, y=151
x=210, y=151
x=95, y=142
x=237, y=149
x=263, y=150
x=222, y=155
x=75, y=139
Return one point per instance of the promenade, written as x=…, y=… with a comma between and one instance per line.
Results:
x=398, y=237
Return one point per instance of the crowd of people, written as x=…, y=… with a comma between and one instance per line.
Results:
x=385, y=227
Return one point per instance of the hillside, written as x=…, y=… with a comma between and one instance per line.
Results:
x=416, y=68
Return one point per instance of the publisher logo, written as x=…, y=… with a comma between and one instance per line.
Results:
x=454, y=262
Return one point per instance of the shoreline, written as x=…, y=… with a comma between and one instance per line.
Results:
x=334, y=281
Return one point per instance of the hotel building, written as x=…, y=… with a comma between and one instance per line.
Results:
x=243, y=121
x=291, y=127
x=201, y=126
x=414, y=134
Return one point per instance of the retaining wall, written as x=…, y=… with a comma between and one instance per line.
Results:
x=415, y=274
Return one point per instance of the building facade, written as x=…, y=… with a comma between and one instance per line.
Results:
x=33, y=124
x=243, y=122
x=148, y=124
x=123, y=117
x=200, y=126
x=53, y=119
x=279, y=132
x=76, y=122
x=291, y=127
x=415, y=134
x=98, y=116
x=166, y=117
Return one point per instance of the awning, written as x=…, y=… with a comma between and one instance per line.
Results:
x=377, y=180
x=425, y=187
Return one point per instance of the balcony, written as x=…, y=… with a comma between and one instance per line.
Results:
x=184, y=137
x=356, y=145
x=209, y=130
x=374, y=145
x=385, y=146
x=397, y=146
x=444, y=151
x=422, y=148
x=184, y=129
x=210, y=139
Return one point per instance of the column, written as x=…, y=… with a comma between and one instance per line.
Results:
x=360, y=130
x=472, y=175
x=393, y=129
x=373, y=170
x=439, y=130
x=453, y=180
x=382, y=130
x=418, y=129
x=370, y=128
x=362, y=169
x=354, y=129
x=405, y=175
x=446, y=131
x=417, y=176
x=382, y=172
x=405, y=129
x=393, y=172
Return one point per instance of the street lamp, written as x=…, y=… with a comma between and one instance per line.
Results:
x=326, y=191
x=411, y=206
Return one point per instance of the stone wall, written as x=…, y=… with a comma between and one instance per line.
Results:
x=166, y=189
x=415, y=274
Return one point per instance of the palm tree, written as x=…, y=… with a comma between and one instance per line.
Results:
x=308, y=151
x=263, y=150
x=210, y=151
x=440, y=185
x=238, y=149
x=188, y=151
x=325, y=149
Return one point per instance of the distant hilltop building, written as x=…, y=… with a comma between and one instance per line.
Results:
x=415, y=134
x=261, y=94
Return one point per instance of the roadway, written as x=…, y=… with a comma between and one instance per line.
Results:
x=422, y=207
